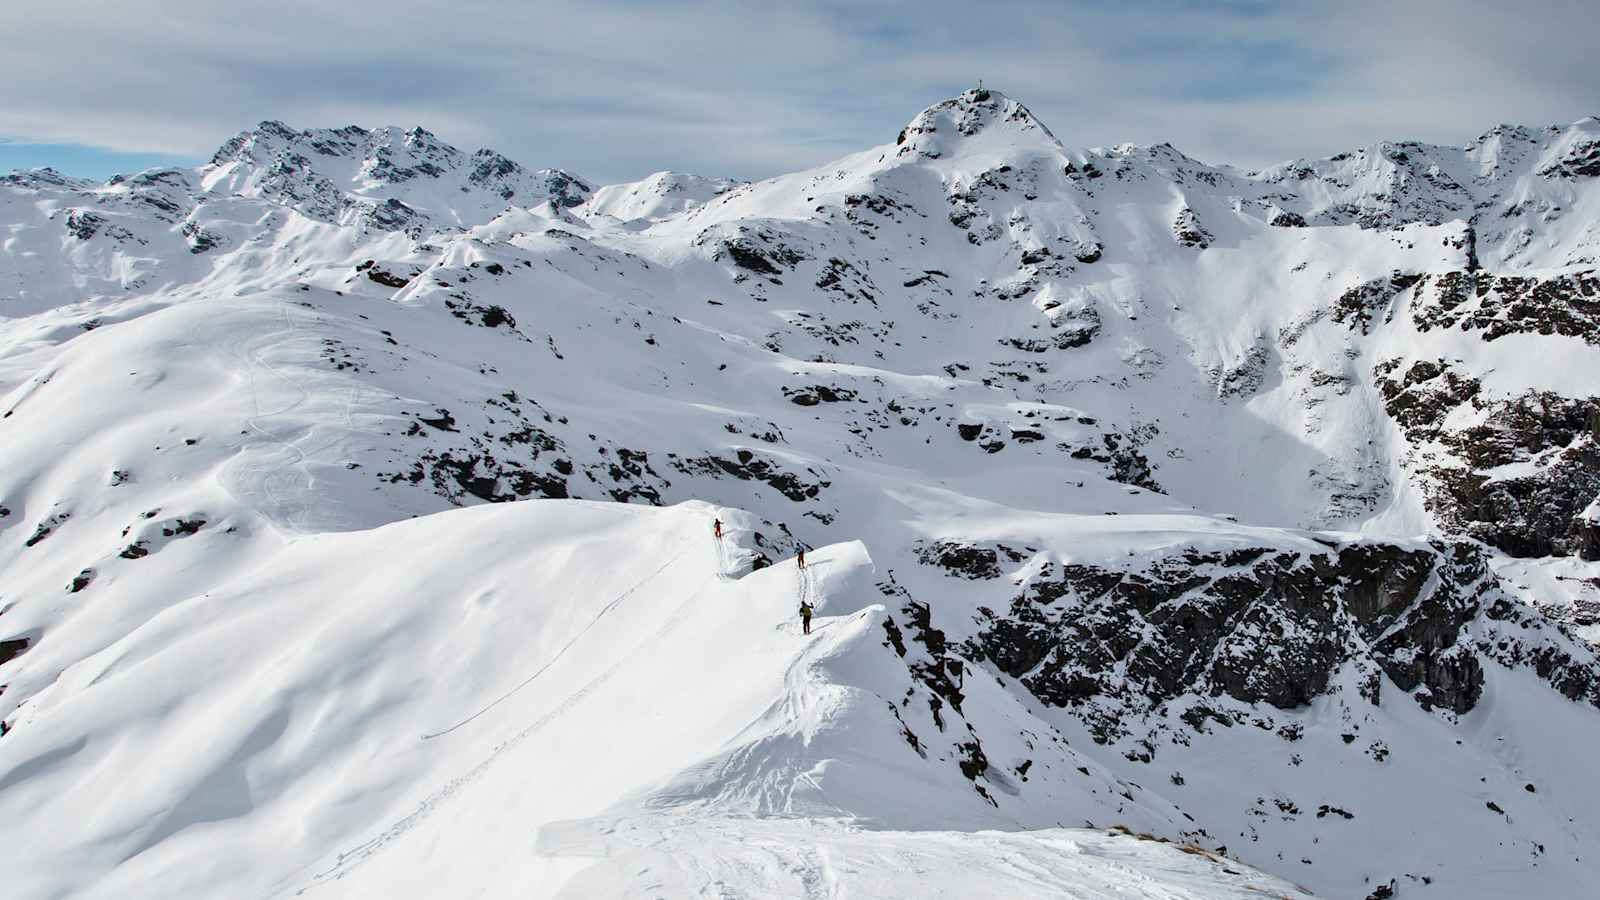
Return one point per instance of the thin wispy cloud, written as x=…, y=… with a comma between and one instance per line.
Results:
x=615, y=90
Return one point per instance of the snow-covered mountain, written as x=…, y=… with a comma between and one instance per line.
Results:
x=659, y=196
x=1253, y=512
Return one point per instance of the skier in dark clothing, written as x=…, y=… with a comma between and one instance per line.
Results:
x=800, y=558
x=716, y=529
x=805, y=616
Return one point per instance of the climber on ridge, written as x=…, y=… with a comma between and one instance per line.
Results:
x=805, y=616
x=716, y=529
x=800, y=557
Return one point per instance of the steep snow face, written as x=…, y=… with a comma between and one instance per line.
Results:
x=1146, y=492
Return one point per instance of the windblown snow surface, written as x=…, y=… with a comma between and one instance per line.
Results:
x=1174, y=531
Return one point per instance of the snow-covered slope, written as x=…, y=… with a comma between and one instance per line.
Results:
x=657, y=196
x=518, y=673
x=1232, y=508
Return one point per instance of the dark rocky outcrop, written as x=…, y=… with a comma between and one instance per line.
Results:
x=1357, y=306
x=1588, y=529
x=1581, y=161
x=1500, y=305
x=964, y=560
x=1259, y=625
x=746, y=466
x=84, y=225
x=939, y=670
x=387, y=279
x=46, y=528
x=1533, y=513
x=201, y=240
x=821, y=393
x=1188, y=231
x=760, y=252
x=507, y=454
x=10, y=649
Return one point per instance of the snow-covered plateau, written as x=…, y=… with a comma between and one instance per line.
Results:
x=1173, y=531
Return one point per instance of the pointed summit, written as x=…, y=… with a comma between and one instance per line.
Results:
x=976, y=119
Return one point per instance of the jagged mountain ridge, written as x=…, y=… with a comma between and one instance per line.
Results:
x=968, y=347
x=312, y=171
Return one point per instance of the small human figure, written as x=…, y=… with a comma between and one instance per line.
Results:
x=805, y=616
x=800, y=558
x=716, y=529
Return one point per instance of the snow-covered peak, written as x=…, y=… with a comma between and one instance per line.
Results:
x=977, y=121
x=1574, y=152
x=561, y=187
x=656, y=196
x=43, y=177
x=393, y=179
x=393, y=156
x=261, y=144
x=1506, y=185
x=389, y=155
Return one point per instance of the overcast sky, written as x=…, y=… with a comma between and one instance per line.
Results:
x=616, y=89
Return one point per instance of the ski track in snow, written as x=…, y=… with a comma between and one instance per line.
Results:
x=350, y=859
x=564, y=648
x=282, y=512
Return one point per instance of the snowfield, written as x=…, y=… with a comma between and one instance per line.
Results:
x=1174, y=531
x=533, y=665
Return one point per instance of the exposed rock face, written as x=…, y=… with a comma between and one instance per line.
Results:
x=1188, y=231
x=83, y=225
x=1496, y=306
x=1533, y=513
x=966, y=561
x=757, y=254
x=746, y=466
x=1246, y=374
x=1256, y=625
x=9, y=649
x=1588, y=526
x=1360, y=304
x=1582, y=160
x=563, y=188
x=386, y=179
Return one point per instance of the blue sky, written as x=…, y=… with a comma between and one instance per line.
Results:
x=615, y=89
x=84, y=161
